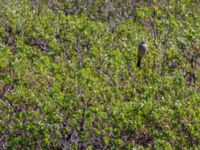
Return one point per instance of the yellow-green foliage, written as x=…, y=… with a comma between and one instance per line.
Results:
x=68, y=75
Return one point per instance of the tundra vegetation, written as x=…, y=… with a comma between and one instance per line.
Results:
x=68, y=75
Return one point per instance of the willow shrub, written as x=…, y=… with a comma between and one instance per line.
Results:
x=70, y=82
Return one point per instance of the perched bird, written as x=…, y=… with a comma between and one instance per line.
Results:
x=142, y=49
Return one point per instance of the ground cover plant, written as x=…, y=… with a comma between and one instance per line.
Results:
x=68, y=75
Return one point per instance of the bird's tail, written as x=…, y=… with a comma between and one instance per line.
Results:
x=139, y=62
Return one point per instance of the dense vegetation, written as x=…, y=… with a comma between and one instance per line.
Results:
x=68, y=75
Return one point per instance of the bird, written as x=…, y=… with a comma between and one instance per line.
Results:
x=142, y=50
